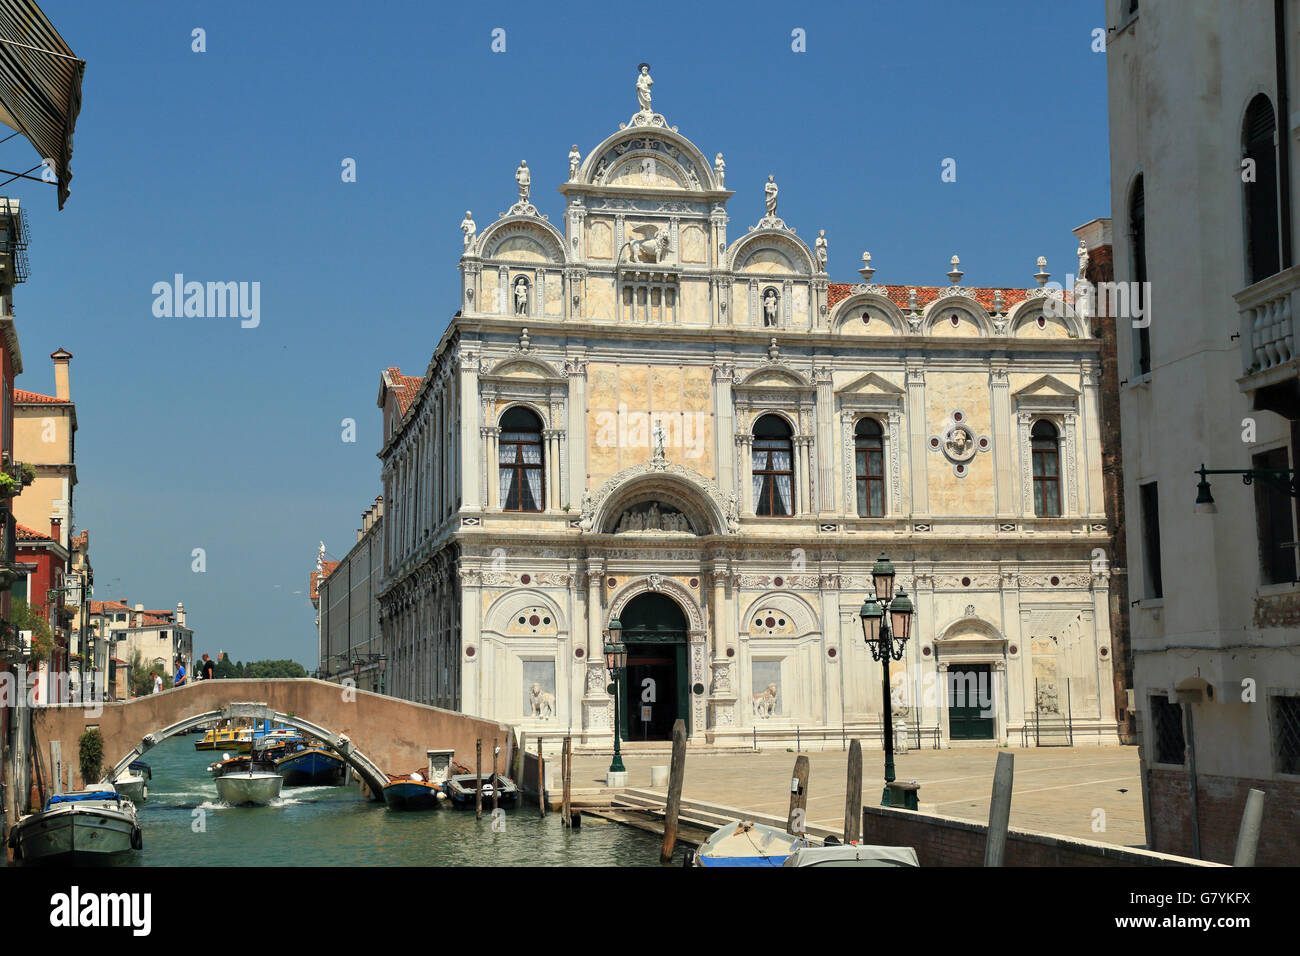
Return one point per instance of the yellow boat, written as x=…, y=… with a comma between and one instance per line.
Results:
x=238, y=739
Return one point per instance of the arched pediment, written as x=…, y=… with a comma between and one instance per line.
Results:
x=771, y=252
x=780, y=614
x=522, y=239
x=680, y=594
x=517, y=367
x=707, y=510
x=766, y=376
x=883, y=317
x=971, y=319
x=503, y=615
x=680, y=157
x=1060, y=321
x=969, y=629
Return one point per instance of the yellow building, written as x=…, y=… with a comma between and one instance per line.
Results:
x=637, y=415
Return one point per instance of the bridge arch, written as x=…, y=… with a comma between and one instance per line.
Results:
x=366, y=768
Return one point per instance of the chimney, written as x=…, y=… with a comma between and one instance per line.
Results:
x=61, y=359
x=180, y=613
x=56, y=527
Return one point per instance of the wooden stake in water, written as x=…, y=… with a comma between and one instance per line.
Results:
x=478, y=772
x=1248, y=836
x=999, y=810
x=496, y=784
x=795, y=819
x=853, y=795
x=676, y=774
x=541, y=782
x=566, y=769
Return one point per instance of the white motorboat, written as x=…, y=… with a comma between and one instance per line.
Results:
x=243, y=787
x=852, y=854
x=134, y=782
x=79, y=826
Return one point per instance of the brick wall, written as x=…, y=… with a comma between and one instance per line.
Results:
x=1220, y=804
x=946, y=841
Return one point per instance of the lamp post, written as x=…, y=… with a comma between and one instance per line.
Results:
x=886, y=625
x=616, y=660
x=383, y=668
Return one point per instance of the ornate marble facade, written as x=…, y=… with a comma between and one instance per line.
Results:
x=654, y=352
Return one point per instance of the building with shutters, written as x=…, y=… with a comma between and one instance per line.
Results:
x=1203, y=186
x=639, y=411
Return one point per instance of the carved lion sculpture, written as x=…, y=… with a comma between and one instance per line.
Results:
x=543, y=702
x=765, y=702
x=651, y=249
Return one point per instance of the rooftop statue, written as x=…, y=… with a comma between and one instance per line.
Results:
x=524, y=179
x=769, y=196
x=643, y=84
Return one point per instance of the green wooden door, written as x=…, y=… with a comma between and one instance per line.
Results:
x=654, y=690
x=970, y=702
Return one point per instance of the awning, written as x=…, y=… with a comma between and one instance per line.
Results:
x=40, y=85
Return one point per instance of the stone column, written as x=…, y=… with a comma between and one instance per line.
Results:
x=596, y=703
x=1070, y=464
x=722, y=694
x=576, y=369
x=492, y=437
x=1004, y=457
x=725, y=449
x=470, y=441
x=552, y=438
x=916, y=428
x=1090, y=457
x=1018, y=691
x=744, y=445
x=1105, y=665
x=803, y=473
x=826, y=443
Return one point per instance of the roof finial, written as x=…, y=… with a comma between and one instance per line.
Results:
x=955, y=273
x=1042, y=275
x=866, y=271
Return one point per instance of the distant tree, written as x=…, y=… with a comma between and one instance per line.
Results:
x=225, y=669
x=140, y=681
x=26, y=617
x=267, y=670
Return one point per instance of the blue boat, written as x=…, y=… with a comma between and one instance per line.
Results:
x=312, y=767
x=412, y=792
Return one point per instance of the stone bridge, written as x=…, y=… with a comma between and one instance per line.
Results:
x=373, y=733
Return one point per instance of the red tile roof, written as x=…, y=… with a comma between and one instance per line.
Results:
x=328, y=567
x=27, y=534
x=24, y=397
x=837, y=292
x=404, y=387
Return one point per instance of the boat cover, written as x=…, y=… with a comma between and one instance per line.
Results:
x=849, y=855
x=78, y=797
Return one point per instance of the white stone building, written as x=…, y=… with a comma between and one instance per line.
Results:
x=637, y=414
x=1202, y=182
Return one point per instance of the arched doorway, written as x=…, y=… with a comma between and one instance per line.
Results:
x=655, y=690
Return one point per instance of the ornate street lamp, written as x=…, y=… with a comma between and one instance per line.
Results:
x=356, y=669
x=616, y=661
x=1285, y=480
x=886, y=626
x=383, y=669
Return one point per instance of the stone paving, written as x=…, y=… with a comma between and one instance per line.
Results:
x=1057, y=790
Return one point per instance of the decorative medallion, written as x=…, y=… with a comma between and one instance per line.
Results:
x=958, y=442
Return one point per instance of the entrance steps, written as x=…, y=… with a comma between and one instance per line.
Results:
x=662, y=748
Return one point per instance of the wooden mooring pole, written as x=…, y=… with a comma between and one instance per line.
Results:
x=478, y=772
x=795, y=820
x=496, y=784
x=566, y=764
x=1248, y=836
x=853, y=795
x=676, y=774
x=999, y=810
x=541, y=781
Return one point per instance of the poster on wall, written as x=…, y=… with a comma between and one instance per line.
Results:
x=539, y=689
x=767, y=689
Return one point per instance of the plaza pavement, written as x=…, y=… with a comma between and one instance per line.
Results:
x=1057, y=790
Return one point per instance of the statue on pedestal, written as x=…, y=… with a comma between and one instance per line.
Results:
x=643, y=84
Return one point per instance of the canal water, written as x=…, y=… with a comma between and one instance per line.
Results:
x=185, y=824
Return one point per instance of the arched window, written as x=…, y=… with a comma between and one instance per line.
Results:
x=1137, y=219
x=1263, y=258
x=1045, y=445
x=519, y=456
x=869, y=443
x=773, y=467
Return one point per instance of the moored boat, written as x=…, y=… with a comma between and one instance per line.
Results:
x=462, y=787
x=80, y=826
x=746, y=843
x=412, y=792
x=311, y=766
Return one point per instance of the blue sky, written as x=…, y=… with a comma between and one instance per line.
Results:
x=225, y=166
